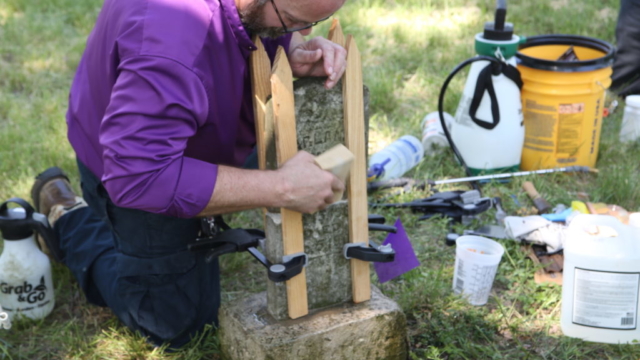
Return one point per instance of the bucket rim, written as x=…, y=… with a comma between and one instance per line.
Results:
x=567, y=66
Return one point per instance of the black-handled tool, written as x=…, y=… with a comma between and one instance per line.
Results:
x=500, y=213
x=376, y=219
x=382, y=227
x=376, y=223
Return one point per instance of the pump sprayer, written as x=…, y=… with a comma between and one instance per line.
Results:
x=488, y=132
x=26, y=284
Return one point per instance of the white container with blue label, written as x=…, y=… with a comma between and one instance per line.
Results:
x=396, y=159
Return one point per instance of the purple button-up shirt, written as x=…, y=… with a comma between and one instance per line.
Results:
x=161, y=96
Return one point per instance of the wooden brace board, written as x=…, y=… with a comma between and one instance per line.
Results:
x=335, y=33
x=287, y=147
x=354, y=128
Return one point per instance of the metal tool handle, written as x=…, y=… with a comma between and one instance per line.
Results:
x=500, y=213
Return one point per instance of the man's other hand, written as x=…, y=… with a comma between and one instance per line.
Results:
x=317, y=57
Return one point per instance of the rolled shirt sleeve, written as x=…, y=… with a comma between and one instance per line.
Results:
x=156, y=105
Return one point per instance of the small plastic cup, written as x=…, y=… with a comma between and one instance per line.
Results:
x=634, y=219
x=477, y=260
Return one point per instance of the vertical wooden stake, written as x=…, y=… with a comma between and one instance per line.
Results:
x=352, y=92
x=260, y=73
x=286, y=147
x=335, y=33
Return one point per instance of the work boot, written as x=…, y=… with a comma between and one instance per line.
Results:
x=53, y=197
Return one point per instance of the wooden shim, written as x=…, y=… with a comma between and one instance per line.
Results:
x=260, y=73
x=335, y=33
x=352, y=91
x=287, y=147
x=336, y=160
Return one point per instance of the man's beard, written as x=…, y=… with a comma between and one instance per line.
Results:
x=252, y=19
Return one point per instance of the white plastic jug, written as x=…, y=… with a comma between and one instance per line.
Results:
x=601, y=280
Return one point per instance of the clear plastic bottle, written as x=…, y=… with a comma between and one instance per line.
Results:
x=396, y=159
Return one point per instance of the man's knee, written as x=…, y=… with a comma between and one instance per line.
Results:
x=169, y=298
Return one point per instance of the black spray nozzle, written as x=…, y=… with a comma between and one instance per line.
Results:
x=501, y=14
x=499, y=29
x=16, y=226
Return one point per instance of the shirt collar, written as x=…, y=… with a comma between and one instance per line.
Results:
x=241, y=34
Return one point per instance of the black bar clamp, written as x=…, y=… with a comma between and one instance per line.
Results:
x=223, y=240
x=220, y=239
x=226, y=242
x=371, y=252
x=291, y=266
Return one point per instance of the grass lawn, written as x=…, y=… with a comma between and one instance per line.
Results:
x=408, y=48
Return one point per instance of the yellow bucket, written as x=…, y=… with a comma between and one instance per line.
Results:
x=563, y=101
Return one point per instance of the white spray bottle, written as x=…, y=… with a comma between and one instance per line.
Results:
x=26, y=284
x=488, y=132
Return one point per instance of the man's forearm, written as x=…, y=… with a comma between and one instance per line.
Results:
x=299, y=185
x=242, y=189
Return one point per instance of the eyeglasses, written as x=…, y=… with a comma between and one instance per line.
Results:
x=284, y=27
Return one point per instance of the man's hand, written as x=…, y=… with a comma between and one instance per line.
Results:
x=317, y=57
x=307, y=188
x=298, y=185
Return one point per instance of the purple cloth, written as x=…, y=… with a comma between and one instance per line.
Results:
x=161, y=96
x=405, y=256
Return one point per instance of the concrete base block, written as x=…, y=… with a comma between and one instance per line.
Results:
x=375, y=329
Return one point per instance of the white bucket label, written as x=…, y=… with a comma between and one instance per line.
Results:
x=605, y=299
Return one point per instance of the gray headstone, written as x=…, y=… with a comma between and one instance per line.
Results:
x=319, y=127
x=328, y=272
x=257, y=326
x=320, y=114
